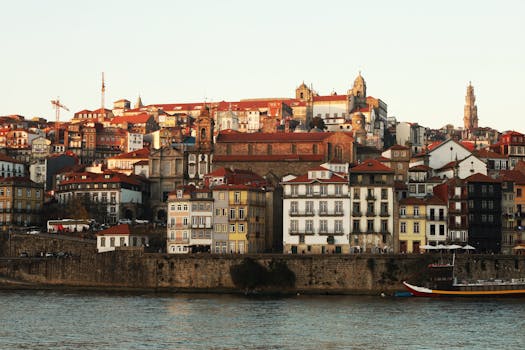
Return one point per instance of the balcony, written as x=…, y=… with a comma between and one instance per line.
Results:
x=357, y=213
x=356, y=230
x=331, y=213
x=179, y=241
x=370, y=213
x=436, y=218
x=330, y=233
x=370, y=197
x=294, y=232
x=384, y=213
x=302, y=213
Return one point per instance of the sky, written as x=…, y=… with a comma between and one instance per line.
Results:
x=416, y=56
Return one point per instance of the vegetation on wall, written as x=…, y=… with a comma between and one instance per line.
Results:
x=249, y=274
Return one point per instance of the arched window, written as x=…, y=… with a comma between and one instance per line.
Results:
x=203, y=133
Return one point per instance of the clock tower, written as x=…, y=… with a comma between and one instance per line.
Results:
x=358, y=127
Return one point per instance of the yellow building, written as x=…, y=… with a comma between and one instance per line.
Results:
x=21, y=202
x=412, y=225
x=246, y=218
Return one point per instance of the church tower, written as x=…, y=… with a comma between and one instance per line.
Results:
x=470, y=118
x=357, y=94
x=358, y=127
x=199, y=160
x=303, y=93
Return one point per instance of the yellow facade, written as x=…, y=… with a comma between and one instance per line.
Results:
x=21, y=203
x=412, y=225
x=246, y=217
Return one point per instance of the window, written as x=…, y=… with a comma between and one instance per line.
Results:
x=309, y=225
x=324, y=190
x=338, y=226
x=416, y=227
x=323, y=226
x=112, y=242
x=416, y=210
x=232, y=214
x=294, y=225
x=490, y=204
x=518, y=192
x=309, y=207
x=384, y=226
x=323, y=207
x=370, y=225
x=403, y=227
x=338, y=207
x=441, y=230
x=237, y=197
x=403, y=211
x=122, y=242
x=103, y=241
x=384, y=193
x=432, y=230
x=294, y=190
x=338, y=190
x=232, y=227
x=241, y=227
x=309, y=190
x=294, y=149
x=356, y=208
x=294, y=207
x=355, y=226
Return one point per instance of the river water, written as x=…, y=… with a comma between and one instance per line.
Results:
x=72, y=320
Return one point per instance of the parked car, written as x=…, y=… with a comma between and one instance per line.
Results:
x=138, y=221
x=124, y=221
x=33, y=232
x=24, y=255
x=49, y=255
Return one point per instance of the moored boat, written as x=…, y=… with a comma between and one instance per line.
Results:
x=479, y=289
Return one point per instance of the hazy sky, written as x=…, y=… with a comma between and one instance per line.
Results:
x=416, y=56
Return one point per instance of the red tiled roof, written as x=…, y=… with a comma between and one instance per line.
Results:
x=372, y=166
x=268, y=158
x=485, y=153
x=275, y=137
x=330, y=98
x=478, y=177
x=142, y=162
x=449, y=165
x=512, y=175
x=122, y=229
x=140, y=153
x=239, y=187
x=96, y=177
x=304, y=179
x=434, y=200
x=433, y=145
x=5, y=158
x=469, y=145
x=398, y=147
x=412, y=201
x=383, y=159
x=141, y=118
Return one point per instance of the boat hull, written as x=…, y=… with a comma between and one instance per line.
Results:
x=426, y=292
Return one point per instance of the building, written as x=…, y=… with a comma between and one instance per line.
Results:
x=315, y=207
x=179, y=207
x=436, y=220
x=398, y=160
x=10, y=167
x=21, y=202
x=109, y=195
x=412, y=225
x=484, y=210
x=372, y=194
x=124, y=162
x=280, y=154
x=119, y=236
x=512, y=145
x=421, y=182
x=453, y=192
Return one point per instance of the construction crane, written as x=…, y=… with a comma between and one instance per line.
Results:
x=57, y=105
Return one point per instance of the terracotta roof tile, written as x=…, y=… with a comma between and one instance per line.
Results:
x=122, y=229
x=372, y=166
x=478, y=177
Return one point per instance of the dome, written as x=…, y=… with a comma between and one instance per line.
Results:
x=359, y=80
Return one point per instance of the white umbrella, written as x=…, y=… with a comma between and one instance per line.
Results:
x=441, y=246
x=428, y=247
x=453, y=246
x=468, y=247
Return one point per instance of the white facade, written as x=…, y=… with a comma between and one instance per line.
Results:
x=466, y=167
x=333, y=112
x=436, y=230
x=135, y=142
x=179, y=230
x=12, y=168
x=448, y=151
x=316, y=208
x=254, y=121
x=109, y=242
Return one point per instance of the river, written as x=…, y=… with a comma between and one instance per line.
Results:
x=73, y=320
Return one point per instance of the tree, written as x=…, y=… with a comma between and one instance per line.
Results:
x=318, y=123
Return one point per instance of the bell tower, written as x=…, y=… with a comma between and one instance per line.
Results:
x=204, y=131
x=470, y=116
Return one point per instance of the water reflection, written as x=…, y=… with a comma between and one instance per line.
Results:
x=36, y=320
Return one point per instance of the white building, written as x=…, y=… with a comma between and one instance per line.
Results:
x=119, y=236
x=463, y=168
x=10, y=167
x=437, y=219
x=179, y=229
x=315, y=211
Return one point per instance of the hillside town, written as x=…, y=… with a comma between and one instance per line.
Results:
x=309, y=174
